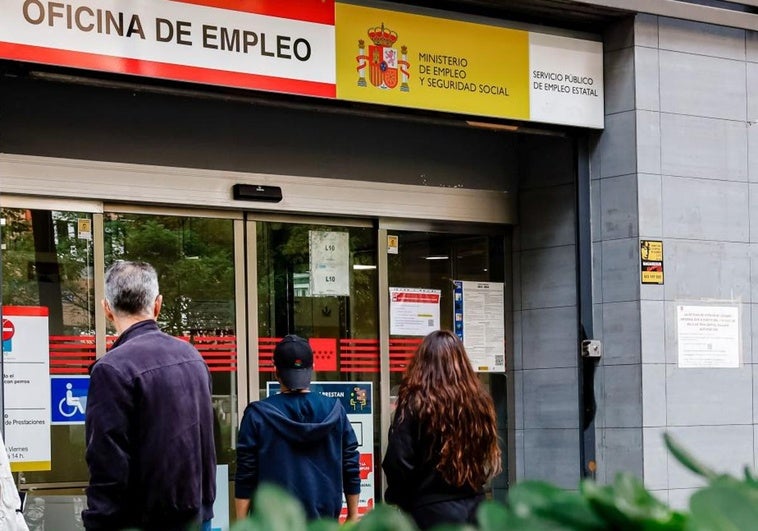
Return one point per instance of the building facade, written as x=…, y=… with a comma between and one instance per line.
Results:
x=344, y=220
x=676, y=163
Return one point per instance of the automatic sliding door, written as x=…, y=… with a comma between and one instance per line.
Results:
x=320, y=282
x=49, y=262
x=47, y=274
x=430, y=263
x=195, y=261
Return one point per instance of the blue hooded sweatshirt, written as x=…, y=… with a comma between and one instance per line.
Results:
x=304, y=443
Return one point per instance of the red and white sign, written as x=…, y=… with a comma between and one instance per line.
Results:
x=254, y=44
x=414, y=311
x=414, y=295
x=8, y=330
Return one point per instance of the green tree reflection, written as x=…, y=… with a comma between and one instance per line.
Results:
x=195, y=264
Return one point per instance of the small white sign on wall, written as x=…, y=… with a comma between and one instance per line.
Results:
x=708, y=336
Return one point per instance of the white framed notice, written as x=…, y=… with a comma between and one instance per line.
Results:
x=26, y=377
x=480, y=323
x=329, y=254
x=414, y=311
x=708, y=336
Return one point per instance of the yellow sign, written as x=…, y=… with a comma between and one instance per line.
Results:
x=408, y=60
x=30, y=466
x=84, y=228
x=651, y=250
x=652, y=277
x=651, y=261
x=392, y=244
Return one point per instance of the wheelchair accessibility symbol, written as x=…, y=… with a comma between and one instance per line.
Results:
x=70, y=404
x=69, y=399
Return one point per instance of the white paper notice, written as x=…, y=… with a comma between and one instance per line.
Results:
x=414, y=311
x=330, y=263
x=708, y=336
x=480, y=323
x=26, y=368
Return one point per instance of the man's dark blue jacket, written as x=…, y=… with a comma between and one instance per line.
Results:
x=149, y=429
x=304, y=443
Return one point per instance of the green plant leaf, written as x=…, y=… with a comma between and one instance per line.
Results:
x=725, y=506
x=628, y=505
x=385, y=518
x=454, y=527
x=329, y=524
x=548, y=502
x=494, y=516
x=603, y=503
x=246, y=524
x=677, y=522
x=687, y=459
x=277, y=510
x=635, y=501
x=750, y=479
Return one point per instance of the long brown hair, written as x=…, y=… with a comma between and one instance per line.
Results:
x=442, y=391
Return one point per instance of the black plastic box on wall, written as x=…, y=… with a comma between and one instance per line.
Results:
x=257, y=192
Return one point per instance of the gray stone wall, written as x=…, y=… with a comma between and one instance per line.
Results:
x=545, y=315
x=678, y=161
x=615, y=230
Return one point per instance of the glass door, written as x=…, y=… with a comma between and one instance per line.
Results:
x=194, y=256
x=47, y=274
x=318, y=279
x=330, y=282
x=430, y=263
x=52, y=271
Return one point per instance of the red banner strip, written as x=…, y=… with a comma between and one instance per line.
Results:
x=24, y=311
x=319, y=11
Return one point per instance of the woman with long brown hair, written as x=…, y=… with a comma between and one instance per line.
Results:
x=443, y=443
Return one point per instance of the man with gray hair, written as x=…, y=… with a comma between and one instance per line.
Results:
x=149, y=418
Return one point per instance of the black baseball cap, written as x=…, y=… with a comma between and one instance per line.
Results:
x=293, y=358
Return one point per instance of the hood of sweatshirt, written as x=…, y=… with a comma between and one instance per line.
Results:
x=299, y=431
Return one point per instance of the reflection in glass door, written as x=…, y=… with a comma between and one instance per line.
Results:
x=320, y=282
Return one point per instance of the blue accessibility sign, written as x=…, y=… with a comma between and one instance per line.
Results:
x=69, y=399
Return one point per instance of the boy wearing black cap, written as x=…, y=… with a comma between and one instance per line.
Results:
x=299, y=440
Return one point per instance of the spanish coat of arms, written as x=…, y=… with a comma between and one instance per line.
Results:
x=386, y=68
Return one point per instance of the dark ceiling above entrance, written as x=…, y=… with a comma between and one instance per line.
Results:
x=558, y=13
